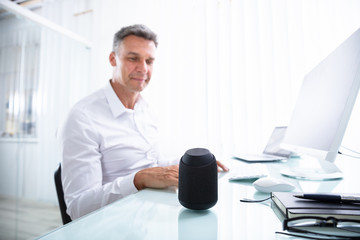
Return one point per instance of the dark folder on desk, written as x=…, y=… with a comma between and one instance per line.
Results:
x=291, y=207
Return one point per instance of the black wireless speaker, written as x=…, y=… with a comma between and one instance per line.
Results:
x=198, y=180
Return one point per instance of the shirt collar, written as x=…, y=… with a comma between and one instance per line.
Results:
x=116, y=106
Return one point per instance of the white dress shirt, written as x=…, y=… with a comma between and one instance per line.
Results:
x=103, y=145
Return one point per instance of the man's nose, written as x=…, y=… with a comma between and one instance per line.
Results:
x=142, y=66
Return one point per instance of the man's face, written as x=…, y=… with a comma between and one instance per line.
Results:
x=133, y=63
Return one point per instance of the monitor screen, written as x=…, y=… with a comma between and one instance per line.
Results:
x=325, y=102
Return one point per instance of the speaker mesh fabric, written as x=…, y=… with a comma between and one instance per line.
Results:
x=198, y=186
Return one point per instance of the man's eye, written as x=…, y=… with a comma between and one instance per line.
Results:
x=149, y=62
x=133, y=59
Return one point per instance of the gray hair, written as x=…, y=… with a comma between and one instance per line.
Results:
x=138, y=30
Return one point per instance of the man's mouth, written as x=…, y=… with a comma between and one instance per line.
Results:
x=140, y=79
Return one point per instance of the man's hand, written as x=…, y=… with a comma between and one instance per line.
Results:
x=162, y=177
x=221, y=167
x=157, y=177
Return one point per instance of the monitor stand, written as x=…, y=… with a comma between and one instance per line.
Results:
x=324, y=171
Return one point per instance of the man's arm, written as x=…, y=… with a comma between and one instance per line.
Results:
x=82, y=170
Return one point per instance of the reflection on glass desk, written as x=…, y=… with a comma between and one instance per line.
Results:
x=157, y=214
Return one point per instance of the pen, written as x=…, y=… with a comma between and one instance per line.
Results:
x=330, y=198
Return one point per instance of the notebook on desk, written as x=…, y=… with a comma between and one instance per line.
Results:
x=291, y=207
x=272, y=151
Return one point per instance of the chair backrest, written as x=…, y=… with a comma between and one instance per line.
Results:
x=60, y=194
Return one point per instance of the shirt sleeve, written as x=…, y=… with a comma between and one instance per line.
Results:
x=82, y=171
x=167, y=161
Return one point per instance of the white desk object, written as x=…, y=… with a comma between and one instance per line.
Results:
x=157, y=214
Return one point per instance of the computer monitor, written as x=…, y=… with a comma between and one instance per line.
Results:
x=322, y=111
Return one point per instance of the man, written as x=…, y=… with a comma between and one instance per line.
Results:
x=109, y=141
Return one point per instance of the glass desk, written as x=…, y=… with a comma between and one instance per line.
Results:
x=157, y=214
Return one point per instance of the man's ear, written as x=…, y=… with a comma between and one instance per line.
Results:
x=112, y=59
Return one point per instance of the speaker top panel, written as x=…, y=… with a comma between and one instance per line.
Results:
x=197, y=157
